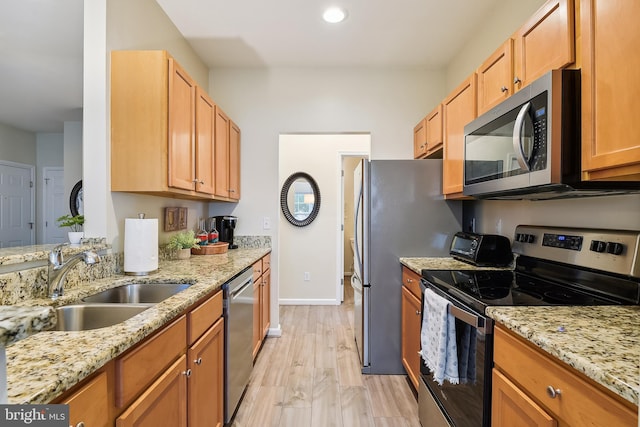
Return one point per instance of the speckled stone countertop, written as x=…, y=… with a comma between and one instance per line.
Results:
x=602, y=342
x=44, y=365
x=442, y=263
x=17, y=323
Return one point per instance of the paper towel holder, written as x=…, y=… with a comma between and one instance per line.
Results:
x=145, y=258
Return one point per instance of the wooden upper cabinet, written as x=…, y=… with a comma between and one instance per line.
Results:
x=495, y=78
x=205, y=140
x=164, y=130
x=434, y=132
x=610, y=89
x=234, y=161
x=545, y=42
x=459, y=108
x=420, y=139
x=182, y=96
x=222, y=154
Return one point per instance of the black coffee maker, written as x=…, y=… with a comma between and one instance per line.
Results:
x=225, y=224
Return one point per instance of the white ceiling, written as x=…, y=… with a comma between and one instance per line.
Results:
x=41, y=43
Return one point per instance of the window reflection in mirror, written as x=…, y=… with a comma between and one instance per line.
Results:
x=300, y=199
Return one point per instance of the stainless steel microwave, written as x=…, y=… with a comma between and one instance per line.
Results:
x=529, y=146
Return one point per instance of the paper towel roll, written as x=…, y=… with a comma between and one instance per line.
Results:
x=140, y=246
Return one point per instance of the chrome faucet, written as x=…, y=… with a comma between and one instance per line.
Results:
x=58, y=269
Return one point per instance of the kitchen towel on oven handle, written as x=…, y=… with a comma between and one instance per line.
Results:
x=438, y=339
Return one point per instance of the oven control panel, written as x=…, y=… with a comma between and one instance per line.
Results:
x=615, y=251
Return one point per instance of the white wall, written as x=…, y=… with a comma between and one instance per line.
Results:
x=17, y=145
x=50, y=153
x=72, y=155
x=315, y=248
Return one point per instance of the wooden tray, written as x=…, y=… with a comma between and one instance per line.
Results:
x=211, y=249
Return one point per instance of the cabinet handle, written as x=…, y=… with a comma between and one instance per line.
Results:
x=517, y=80
x=553, y=392
x=187, y=373
x=504, y=89
x=195, y=180
x=231, y=190
x=80, y=424
x=201, y=182
x=198, y=361
x=418, y=313
x=409, y=280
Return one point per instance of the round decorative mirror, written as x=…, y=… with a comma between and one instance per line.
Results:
x=300, y=199
x=76, y=200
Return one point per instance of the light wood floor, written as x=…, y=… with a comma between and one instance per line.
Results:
x=310, y=376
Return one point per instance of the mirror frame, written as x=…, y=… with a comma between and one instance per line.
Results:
x=284, y=205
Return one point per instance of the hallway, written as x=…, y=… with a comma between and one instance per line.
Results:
x=311, y=377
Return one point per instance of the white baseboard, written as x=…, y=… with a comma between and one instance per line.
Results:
x=275, y=332
x=308, y=302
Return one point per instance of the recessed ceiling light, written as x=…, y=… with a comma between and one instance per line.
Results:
x=333, y=15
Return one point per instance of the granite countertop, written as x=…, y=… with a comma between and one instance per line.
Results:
x=17, y=323
x=44, y=365
x=602, y=342
x=442, y=263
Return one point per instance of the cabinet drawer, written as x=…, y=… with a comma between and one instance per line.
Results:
x=203, y=316
x=138, y=368
x=257, y=270
x=411, y=280
x=90, y=404
x=580, y=401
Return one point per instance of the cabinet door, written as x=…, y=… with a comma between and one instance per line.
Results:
x=257, y=301
x=459, y=108
x=234, y=161
x=545, y=42
x=510, y=406
x=89, y=405
x=164, y=403
x=411, y=335
x=265, y=304
x=420, y=140
x=222, y=154
x=495, y=78
x=205, y=133
x=205, y=385
x=182, y=97
x=434, y=130
x=610, y=89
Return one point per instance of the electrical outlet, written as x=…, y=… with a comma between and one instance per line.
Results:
x=307, y=276
x=266, y=223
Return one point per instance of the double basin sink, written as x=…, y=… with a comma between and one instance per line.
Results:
x=113, y=306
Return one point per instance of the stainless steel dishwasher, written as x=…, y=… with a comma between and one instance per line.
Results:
x=238, y=338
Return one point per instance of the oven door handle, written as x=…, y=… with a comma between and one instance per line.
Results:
x=517, y=138
x=470, y=319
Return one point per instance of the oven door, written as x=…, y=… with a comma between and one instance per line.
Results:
x=467, y=404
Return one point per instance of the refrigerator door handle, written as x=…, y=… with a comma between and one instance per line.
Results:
x=355, y=234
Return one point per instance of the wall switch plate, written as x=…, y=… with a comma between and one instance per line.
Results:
x=266, y=223
x=307, y=276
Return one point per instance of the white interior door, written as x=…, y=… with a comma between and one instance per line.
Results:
x=55, y=205
x=16, y=204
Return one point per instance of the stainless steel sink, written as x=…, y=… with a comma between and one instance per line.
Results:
x=81, y=317
x=148, y=293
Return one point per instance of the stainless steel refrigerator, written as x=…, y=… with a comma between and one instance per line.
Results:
x=399, y=211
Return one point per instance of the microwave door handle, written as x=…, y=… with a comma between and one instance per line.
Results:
x=517, y=137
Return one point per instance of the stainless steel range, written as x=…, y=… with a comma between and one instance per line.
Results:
x=554, y=266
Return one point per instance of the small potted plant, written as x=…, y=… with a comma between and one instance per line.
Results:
x=182, y=243
x=75, y=223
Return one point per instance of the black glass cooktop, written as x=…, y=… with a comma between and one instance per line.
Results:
x=482, y=288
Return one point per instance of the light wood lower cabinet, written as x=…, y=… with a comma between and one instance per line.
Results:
x=533, y=386
x=411, y=324
x=206, y=382
x=89, y=406
x=261, y=302
x=411, y=335
x=164, y=403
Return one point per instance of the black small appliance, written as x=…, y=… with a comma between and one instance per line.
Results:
x=225, y=224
